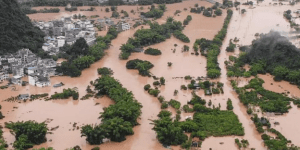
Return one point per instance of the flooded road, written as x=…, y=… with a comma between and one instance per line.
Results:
x=67, y=112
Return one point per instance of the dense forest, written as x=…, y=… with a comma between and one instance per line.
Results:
x=117, y=120
x=17, y=31
x=271, y=53
x=206, y=122
x=27, y=133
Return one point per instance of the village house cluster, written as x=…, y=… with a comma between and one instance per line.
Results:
x=65, y=31
x=105, y=23
x=25, y=63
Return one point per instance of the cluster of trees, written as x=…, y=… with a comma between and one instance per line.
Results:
x=280, y=142
x=3, y=144
x=208, y=12
x=211, y=49
x=175, y=104
x=287, y=15
x=182, y=37
x=142, y=66
x=168, y=131
x=35, y=3
x=271, y=53
x=115, y=14
x=152, y=51
x=17, y=30
x=145, y=37
x=274, y=54
x=28, y=133
x=1, y=115
x=117, y=120
x=66, y=94
x=206, y=122
x=231, y=46
x=73, y=8
x=155, y=12
x=81, y=56
x=229, y=104
x=197, y=9
x=267, y=100
x=28, y=10
x=105, y=71
x=187, y=20
x=125, y=13
x=244, y=143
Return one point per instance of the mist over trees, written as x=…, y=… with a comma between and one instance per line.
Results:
x=273, y=53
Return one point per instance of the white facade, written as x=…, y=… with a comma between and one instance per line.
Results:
x=43, y=84
x=125, y=26
x=3, y=76
x=16, y=80
x=61, y=41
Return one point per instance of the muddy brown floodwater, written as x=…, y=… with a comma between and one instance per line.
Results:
x=64, y=113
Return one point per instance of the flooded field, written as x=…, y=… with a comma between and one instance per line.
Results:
x=70, y=115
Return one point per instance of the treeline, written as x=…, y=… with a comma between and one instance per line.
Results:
x=155, y=12
x=35, y=3
x=67, y=93
x=150, y=2
x=206, y=122
x=145, y=37
x=267, y=100
x=271, y=53
x=28, y=10
x=17, y=31
x=81, y=56
x=28, y=133
x=208, y=12
x=117, y=120
x=211, y=49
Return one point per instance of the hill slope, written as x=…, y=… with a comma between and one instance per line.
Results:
x=16, y=29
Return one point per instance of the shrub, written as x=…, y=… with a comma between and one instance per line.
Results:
x=105, y=71
x=162, y=80
x=164, y=105
x=156, y=83
x=218, y=12
x=229, y=104
x=147, y=87
x=154, y=92
x=174, y=103
x=152, y=51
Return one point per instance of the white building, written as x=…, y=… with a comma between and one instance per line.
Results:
x=123, y=26
x=16, y=80
x=31, y=70
x=3, y=76
x=38, y=81
x=61, y=41
x=46, y=47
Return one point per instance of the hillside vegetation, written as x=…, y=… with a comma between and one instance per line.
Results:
x=16, y=29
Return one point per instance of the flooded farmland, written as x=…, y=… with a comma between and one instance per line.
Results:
x=69, y=115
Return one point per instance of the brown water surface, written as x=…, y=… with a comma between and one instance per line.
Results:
x=65, y=112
